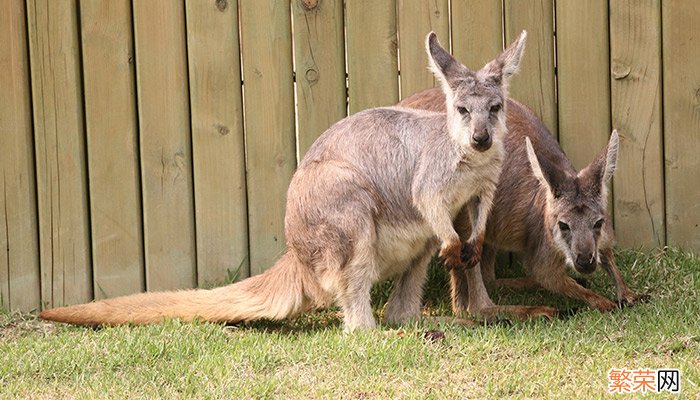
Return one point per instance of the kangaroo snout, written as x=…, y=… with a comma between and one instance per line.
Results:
x=481, y=141
x=585, y=263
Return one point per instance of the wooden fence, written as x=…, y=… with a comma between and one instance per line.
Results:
x=148, y=144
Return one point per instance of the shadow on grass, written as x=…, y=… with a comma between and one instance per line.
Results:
x=315, y=321
x=643, y=272
x=437, y=305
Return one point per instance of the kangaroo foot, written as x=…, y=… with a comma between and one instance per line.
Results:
x=603, y=304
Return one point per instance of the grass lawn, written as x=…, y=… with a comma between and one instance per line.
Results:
x=310, y=357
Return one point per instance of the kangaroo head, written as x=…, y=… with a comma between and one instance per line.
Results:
x=475, y=100
x=576, y=212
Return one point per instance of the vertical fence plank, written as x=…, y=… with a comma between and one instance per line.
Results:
x=19, y=267
x=217, y=140
x=416, y=18
x=635, y=53
x=60, y=152
x=56, y=205
x=477, y=31
x=269, y=124
x=534, y=85
x=164, y=130
x=320, y=65
x=583, y=78
x=372, y=61
x=110, y=119
x=681, y=91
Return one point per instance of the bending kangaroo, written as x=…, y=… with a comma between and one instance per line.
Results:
x=374, y=197
x=544, y=210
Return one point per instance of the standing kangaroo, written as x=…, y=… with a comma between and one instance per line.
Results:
x=374, y=197
x=544, y=210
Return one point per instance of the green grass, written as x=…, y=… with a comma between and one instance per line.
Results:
x=310, y=357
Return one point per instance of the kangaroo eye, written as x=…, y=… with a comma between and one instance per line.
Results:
x=495, y=108
x=563, y=226
x=463, y=111
x=598, y=224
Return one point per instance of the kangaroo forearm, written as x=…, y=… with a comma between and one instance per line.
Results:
x=569, y=287
x=438, y=217
x=479, y=211
x=436, y=214
x=624, y=294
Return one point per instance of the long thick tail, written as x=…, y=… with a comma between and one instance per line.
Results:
x=286, y=289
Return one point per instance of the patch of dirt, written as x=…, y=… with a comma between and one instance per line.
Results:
x=15, y=325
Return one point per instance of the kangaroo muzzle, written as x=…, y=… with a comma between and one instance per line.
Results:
x=481, y=141
x=585, y=263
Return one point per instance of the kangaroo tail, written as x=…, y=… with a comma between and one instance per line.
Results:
x=286, y=289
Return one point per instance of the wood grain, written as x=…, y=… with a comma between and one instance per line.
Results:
x=59, y=140
x=534, y=85
x=477, y=31
x=417, y=18
x=19, y=267
x=165, y=140
x=112, y=144
x=681, y=92
x=583, y=65
x=218, y=145
x=319, y=52
x=372, y=56
x=635, y=52
x=269, y=124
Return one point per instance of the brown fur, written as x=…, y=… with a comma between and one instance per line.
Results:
x=374, y=197
x=526, y=213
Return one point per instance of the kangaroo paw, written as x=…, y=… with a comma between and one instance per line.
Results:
x=450, y=255
x=632, y=299
x=604, y=305
x=471, y=254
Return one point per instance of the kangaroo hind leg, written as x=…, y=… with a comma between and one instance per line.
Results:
x=355, y=301
x=355, y=282
x=406, y=297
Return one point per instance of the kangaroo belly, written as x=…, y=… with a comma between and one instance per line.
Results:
x=398, y=245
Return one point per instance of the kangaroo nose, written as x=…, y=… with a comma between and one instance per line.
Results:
x=585, y=262
x=482, y=140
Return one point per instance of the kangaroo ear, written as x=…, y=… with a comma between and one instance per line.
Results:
x=549, y=177
x=599, y=172
x=445, y=67
x=535, y=164
x=506, y=64
x=611, y=156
